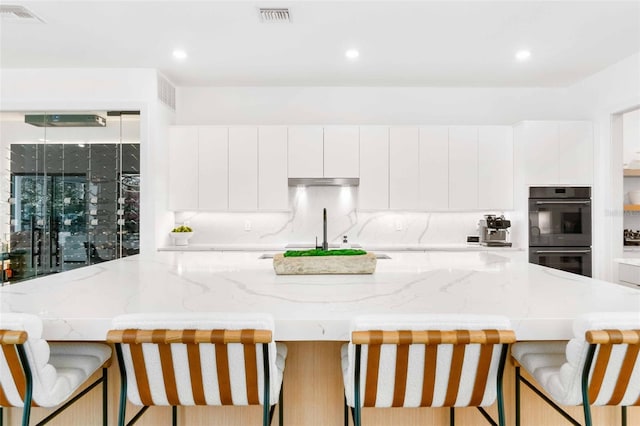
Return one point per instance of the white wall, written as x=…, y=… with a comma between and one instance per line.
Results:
x=631, y=155
x=603, y=97
x=370, y=105
x=631, y=138
x=77, y=89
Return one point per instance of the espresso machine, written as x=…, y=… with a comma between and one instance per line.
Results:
x=494, y=231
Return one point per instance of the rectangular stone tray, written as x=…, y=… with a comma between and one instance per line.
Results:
x=317, y=265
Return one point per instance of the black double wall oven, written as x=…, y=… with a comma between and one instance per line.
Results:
x=560, y=228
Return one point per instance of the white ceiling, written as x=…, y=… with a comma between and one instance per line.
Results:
x=412, y=43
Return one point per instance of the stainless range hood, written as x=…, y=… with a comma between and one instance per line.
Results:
x=324, y=181
x=65, y=120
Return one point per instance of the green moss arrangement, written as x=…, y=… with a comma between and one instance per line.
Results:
x=182, y=229
x=320, y=252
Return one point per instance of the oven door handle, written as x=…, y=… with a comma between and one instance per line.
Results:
x=563, y=251
x=563, y=202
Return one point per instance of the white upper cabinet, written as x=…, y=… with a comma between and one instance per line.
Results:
x=183, y=168
x=434, y=168
x=555, y=152
x=575, y=149
x=540, y=152
x=341, y=151
x=273, y=191
x=213, y=168
x=495, y=167
x=305, y=151
x=404, y=168
x=243, y=168
x=463, y=168
x=228, y=169
x=373, y=192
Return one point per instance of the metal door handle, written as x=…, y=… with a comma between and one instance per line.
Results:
x=563, y=251
x=563, y=202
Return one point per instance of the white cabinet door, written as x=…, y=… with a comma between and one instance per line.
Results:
x=213, y=168
x=273, y=190
x=575, y=149
x=243, y=168
x=404, y=168
x=495, y=167
x=463, y=168
x=434, y=168
x=341, y=151
x=540, y=140
x=305, y=151
x=373, y=192
x=557, y=152
x=183, y=168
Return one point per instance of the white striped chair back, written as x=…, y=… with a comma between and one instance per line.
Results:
x=196, y=359
x=427, y=360
x=615, y=370
x=24, y=329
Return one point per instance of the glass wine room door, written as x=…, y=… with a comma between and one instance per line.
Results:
x=72, y=184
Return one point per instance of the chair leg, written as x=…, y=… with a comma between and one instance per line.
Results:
x=174, y=415
x=452, y=416
x=105, y=398
x=357, y=412
x=346, y=412
x=26, y=413
x=517, y=396
x=281, y=406
x=123, y=386
x=587, y=414
x=623, y=409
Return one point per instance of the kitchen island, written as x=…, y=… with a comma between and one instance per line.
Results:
x=313, y=313
x=541, y=302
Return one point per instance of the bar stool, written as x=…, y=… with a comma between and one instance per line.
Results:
x=198, y=359
x=426, y=361
x=40, y=374
x=599, y=366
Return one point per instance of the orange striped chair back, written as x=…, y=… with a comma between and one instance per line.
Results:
x=198, y=359
x=615, y=368
x=598, y=366
x=35, y=373
x=13, y=381
x=193, y=367
x=468, y=356
x=425, y=361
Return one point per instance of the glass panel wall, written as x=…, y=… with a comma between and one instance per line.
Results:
x=73, y=191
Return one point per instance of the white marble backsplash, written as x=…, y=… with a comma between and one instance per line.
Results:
x=303, y=223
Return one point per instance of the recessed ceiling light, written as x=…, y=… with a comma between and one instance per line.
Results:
x=523, y=55
x=179, y=54
x=352, y=54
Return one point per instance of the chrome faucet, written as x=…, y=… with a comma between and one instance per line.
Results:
x=325, y=244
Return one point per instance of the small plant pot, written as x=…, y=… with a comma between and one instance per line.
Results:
x=181, y=238
x=634, y=197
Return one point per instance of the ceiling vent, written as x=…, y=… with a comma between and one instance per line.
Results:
x=17, y=14
x=274, y=16
x=166, y=92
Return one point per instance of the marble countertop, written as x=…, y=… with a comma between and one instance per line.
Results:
x=633, y=261
x=372, y=247
x=541, y=302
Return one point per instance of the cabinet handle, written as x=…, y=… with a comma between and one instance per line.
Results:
x=563, y=202
x=563, y=251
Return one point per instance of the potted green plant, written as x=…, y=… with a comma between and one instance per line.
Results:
x=181, y=235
